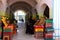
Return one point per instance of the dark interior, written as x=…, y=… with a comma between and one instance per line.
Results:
x=46, y=12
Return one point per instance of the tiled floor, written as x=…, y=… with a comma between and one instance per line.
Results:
x=22, y=36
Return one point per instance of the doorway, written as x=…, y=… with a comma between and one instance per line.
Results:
x=20, y=17
x=46, y=12
x=18, y=11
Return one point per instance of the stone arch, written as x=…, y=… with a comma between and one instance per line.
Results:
x=31, y=2
x=45, y=10
x=19, y=6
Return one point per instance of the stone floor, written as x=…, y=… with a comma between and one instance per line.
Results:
x=22, y=36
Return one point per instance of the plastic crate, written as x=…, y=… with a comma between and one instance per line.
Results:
x=7, y=30
x=7, y=37
x=49, y=30
x=49, y=24
x=0, y=29
x=49, y=21
x=38, y=35
x=48, y=39
x=39, y=30
x=48, y=35
x=7, y=33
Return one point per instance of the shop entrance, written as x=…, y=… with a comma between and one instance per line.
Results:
x=46, y=12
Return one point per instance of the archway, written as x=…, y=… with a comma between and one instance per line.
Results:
x=20, y=14
x=20, y=6
x=20, y=17
x=45, y=10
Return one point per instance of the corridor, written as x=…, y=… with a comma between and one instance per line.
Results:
x=25, y=14
x=22, y=36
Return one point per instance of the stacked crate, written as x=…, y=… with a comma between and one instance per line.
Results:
x=0, y=33
x=49, y=29
x=7, y=33
x=39, y=32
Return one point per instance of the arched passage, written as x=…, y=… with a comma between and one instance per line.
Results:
x=20, y=16
x=45, y=10
x=19, y=6
x=29, y=10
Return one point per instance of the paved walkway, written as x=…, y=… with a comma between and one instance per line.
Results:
x=22, y=36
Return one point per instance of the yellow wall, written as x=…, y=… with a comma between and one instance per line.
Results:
x=50, y=13
x=2, y=13
x=40, y=14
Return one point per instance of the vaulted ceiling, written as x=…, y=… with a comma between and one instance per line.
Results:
x=31, y=2
x=16, y=4
x=25, y=5
x=21, y=4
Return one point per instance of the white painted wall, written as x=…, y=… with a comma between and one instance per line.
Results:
x=6, y=3
x=31, y=2
x=40, y=9
x=3, y=7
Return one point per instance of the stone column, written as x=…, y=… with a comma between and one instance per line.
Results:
x=3, y=8
x=50, y=13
